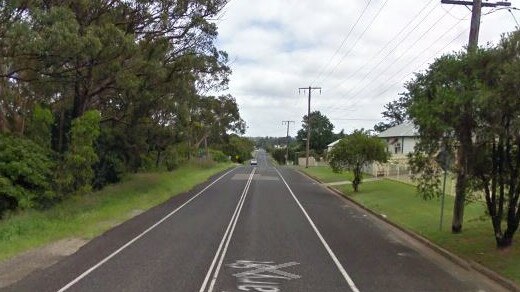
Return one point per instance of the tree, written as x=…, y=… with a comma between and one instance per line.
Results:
x=355, y=151
x=442, y=103
x=395, y=113
x=496, y=151
x=471, y=103
x=76, y=173
x=239, y=148
x=321, y=132
x=144, y=67
x=25, y=174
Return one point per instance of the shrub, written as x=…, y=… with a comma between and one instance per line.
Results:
x=110, y=166
x=76, y=173
x=25, y=173
x=218, y=156
x=39, y=128
x=175, y=155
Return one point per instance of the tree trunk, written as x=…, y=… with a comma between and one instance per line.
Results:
x=357, y=179
x=3, y=122
x=158, y=159
x=462, y=173
x=504, y=241
x=61, y=131
x=460, y=199
x=206, y=148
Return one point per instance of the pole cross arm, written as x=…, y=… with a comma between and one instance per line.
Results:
x=484, y=4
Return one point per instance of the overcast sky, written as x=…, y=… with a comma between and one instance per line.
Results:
x=277, y=46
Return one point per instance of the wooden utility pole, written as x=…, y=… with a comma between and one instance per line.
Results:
x=466, y=136
x=309, y=89
x=476, y=13
x=287, y=142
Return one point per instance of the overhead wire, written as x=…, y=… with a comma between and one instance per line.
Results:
x=353, y=90
x=389, y=42
x=323, y=68
x=415, y=70
x=372, y=21
x=400, y=80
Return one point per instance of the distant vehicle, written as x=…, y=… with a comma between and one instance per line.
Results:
x=254, y=162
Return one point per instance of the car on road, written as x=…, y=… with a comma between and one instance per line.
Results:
x=254, y=162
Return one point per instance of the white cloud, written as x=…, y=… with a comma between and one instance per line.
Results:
x=279, y=45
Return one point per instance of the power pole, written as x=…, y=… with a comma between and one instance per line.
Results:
x=287, y=147
x=462, y=157
x=309, y=89
x=476, y=13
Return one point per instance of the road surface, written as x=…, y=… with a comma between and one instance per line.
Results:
x=261, y=228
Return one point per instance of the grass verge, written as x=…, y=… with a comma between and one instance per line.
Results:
x=90, y=215
x=326, y=175
x=400, y=203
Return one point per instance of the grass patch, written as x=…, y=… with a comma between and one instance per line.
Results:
x=401, y=204
x=326, y=175
x=90, y=215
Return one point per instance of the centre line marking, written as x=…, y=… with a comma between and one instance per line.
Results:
x=327, y=247
x=226, y=239
x=106, y=259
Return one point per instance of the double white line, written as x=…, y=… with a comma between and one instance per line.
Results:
x=106, y=259
x=224, y=243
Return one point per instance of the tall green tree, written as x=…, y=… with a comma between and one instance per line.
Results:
x=496, y=169
x=395, y=113
x=321, y=132
x=471, y=103
x=441, y=105
x=356, y=151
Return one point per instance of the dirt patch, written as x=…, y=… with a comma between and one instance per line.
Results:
x=22, y=265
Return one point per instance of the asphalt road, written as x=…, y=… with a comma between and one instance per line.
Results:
x=261, y=228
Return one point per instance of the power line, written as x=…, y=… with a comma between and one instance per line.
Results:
x=322, y=70
x=394, y=38
x=416, y=68
x=357, y=40
x=389, y=66
x=401, y=41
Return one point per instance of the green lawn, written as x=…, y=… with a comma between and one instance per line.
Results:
x=325, y=174
x=90, y=215
x=400, y=203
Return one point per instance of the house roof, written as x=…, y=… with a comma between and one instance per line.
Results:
x=402, y=130
x=333, y=143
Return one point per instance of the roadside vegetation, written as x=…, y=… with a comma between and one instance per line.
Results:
x=466, y=107
x=93, y=91
x=401, y=204
x=90, y=215
x=97, y=93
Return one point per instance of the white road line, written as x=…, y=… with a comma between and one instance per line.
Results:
x=106, y=259
x=226, y=239
x=327, y=247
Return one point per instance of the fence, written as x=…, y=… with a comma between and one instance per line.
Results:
x=402, y=172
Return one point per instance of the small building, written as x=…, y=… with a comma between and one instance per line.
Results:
x=400, y=139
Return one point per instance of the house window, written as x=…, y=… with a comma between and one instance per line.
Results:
x=397, y=148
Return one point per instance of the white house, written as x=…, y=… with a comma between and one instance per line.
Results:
x=331, y=145
x=400, y=139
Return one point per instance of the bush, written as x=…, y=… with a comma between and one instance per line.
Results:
x=279, y=155
x=175, y=155
x=25, y=173
x=218, y=156
x=110, y=167
x=76, y=173
x=39, y=128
